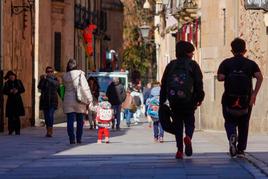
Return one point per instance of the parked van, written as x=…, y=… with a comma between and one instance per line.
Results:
x=105, y=78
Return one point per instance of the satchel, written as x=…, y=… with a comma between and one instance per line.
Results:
x=80, y=93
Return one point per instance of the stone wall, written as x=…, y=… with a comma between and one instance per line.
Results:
x=17, y=52
x=248, y=25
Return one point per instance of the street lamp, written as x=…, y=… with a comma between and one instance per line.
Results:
x=146, y=5
x=22, y=8
x=144, y=30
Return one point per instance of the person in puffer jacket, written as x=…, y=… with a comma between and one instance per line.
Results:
x=71, y=107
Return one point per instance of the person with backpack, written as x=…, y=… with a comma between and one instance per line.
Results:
x=138, y=101
x=239, y=96
x=182, y=90
x=116, y=94
x=103, y=119
x=153, y=106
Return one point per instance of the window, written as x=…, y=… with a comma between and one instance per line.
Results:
x=57, y=51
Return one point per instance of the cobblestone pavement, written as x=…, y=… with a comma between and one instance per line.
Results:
x=131, y=153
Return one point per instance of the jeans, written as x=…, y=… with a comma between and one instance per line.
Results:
x=180, y=121
x=128, y=115
x=158, y=130
x=49, y=116
x=231, y=125
x=70, y=126
x=117, y=115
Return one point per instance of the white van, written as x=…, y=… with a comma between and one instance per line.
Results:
x=105, y=78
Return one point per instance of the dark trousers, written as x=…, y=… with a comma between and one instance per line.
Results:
x=14, y=124
x=232, y=124
x=182, y=120
x=71, y=117
x=117, y=115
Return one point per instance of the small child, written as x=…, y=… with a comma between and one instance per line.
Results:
x=153, y=107
x=103, y=120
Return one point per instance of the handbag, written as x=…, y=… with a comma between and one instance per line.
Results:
x=61, y=91
x=80, y=93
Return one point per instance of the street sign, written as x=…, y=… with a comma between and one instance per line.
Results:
x=256, y=4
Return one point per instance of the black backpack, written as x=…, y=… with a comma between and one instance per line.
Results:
x=237, y=91
x=180, y=83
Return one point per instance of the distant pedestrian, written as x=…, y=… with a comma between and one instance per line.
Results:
x=152, y=111
x=138, y=100
x=182, y=86
x=13, y=88
x=128, y=107
x=72, y=79
x=116, y=94
x=146, y=95
x=48, y=85
x=239, y=96
x=95, y=90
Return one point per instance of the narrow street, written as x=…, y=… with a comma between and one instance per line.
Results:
x=131, y=154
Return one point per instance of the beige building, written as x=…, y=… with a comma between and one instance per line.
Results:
x=211, y=26
x=50, y=32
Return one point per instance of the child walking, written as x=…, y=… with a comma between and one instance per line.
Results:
x=152, y=111
x=103, y=120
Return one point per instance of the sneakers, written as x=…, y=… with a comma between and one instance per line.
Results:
x=188, y=146
x=240, y=154
x=155, y=140
x=179, y=155
x=161, y=140
x=232, y=145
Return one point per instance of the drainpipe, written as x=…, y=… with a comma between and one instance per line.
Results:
x=1, y=70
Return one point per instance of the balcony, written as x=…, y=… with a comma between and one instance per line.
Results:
x=185, y=10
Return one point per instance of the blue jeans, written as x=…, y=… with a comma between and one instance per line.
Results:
x=128, y=115
x=70, y=125
x=117, y=111
x=158, y=130
x=49, y=116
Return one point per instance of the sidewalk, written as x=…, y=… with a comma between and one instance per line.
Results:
x=131, y=154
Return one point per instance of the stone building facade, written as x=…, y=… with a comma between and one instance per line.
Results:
x=220, y=22
x=49, y=35
x=17, y=53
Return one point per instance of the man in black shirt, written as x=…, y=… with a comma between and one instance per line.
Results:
x=239, y=96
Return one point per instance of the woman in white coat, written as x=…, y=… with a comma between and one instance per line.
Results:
x=71, y=107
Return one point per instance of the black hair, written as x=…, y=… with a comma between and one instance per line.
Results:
x=238, y=45
x=48, y=67
x=71, y=65
x=183, y=48
x=9, y=73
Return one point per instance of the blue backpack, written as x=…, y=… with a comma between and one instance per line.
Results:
x=153, y=107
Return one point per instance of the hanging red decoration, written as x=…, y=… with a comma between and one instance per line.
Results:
x=88, y=38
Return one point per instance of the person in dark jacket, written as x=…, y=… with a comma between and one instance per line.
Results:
x=48, y=85
x=116, y=94
x=13, y=88
x=183, y=114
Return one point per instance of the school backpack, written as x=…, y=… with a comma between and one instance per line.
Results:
x=180, y=83
x=104, y=114
x=237, y=90
x=137, y=100
x=153, y=107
